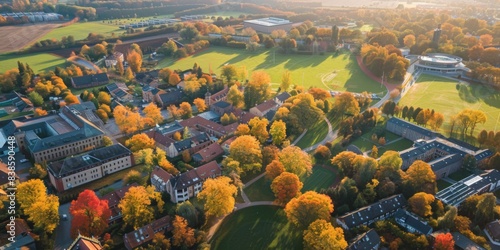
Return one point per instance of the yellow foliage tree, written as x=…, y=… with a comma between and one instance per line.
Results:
x=245, y=150
x=420, y=203
x=140, y=141
x=322, y=235
x=285, y=187
x=134, y=60
x=308, y=207
x=41, y=209
x=242, y=129
x=40, y=112
x=135, y=205
x=127, y=120
x=278, y=132
x=218, y=195
x=200, y=104
x=421, y=177
x=258, y=128
x=295, y=160
x=182, y=235
x=152, y=111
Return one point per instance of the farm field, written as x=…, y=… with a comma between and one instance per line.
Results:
x=38, y=62
x=335, y=72
x=450, y=97
x=257, y=227
x=81, y=30
x=19, y=36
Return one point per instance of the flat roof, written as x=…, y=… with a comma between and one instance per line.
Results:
x=269, y=21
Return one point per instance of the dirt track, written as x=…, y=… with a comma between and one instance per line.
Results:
x=13, y=38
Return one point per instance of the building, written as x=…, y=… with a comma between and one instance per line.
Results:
x=380, y=210
x=146, y=233
x=88, y=81
x=268, y=24
x=211, y=128
x=54, y=136
x=6, y=176
x=436, y=35
x=114, y=199
x=281, y=98
x=149, y=78
x=151, y=94
x=445, y=64
x=221, y=108
x=185, y=185
x=367, y=241
x=24, y=241
x=119, y=91
x=89, y=166
x=492, y=230
x=170, y=97
x=262, y=109
x=455, y=194
x=207, y=154
x=163, y=135
x=409, y=130
x=85, y=243
x=192, y=144
x=464, y=243
x=227, y=144
x=411, y=222
x=87, y=111
x=14, y=102
x=113, y=59
x=217, y=97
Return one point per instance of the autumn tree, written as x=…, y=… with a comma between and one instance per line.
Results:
x=447, y=221
x=421, y=178
x=258, y=128
x=182, y=234
x=136, y=205
x=286, y=81
x=218, y=196
x=274, y=169
x=188, y=212
x=153, y=112
x=41, y=209
x=444, y=241
x=90, y=214
x=322, y=235
x=258, y=89
x=133, y=176
x=485, y=209
x=409, y=40
x=160, y=242
x=235, y=96
x=244, y=155
x=186, y=110
x=420, y=203
x=174, y=79
x=344, y=161
x=307, y=208
x=285, y=187
x=229, y=72
x=295, y=160
x=134, y=61
x=200, y=104
x=140, y=141
x=128, y=121
x=71, y=99
x=39, y=112
x=345, y=103
x=278, y=132
x=242, y=129
x=374, y=152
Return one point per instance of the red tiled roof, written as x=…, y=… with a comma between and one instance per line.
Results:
x=266, y=106
x=161, y=173
x=146, y=233
x=116, y=196
x=159, y=138
x=210, y=153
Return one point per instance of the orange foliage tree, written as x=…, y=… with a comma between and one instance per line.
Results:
x=285, y=187
x=444, y=242
x=308, y=207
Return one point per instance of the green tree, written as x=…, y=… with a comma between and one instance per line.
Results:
x=286, y=81
x=168, y=48
x=485, y=209
x=189, y=32
x=295, y=160
x=35, y=98
x=229, y=72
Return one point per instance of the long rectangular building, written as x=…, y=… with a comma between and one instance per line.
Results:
x=93, y=165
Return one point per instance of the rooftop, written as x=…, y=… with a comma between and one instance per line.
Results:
x=147, y=232
x=366, y=241
x=209, y=153
x=266, y=106
x=421, y=130
x=85, y=243
x=465, y=243
x=283, y=96
x=403, y=218
x=89, y=79
x=269, y=21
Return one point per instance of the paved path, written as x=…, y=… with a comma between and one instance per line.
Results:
x=300, y=137
x=329, y=137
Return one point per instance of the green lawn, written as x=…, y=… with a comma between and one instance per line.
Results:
x=38, y=62
x=442, y=184
x=81, y=30
x=444, y=96
x=396, y=146
x=258, y=227
x=14, y=115
x=459, y=175
x=337, y=72
x=260, y=190
x=314, y=135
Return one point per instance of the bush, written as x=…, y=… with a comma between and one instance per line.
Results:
x=237, y=45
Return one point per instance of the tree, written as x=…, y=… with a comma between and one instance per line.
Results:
x=90, y=214
x=168, y=48
x=189, y=32
x=307, y=208
x=106, y=141
x=258, y=89
x=409, y=40
x=485, y=209
x=345, y=103
x=476, y=116
x=286, y=81
x=235, y=96
x=39, y=112
x=41, y=209
x=186, y=110
x=494, y=161
x=319, y=93
x=174, y=79
x=374, y=152
x=71, y=99
x=182, y=235
x=391, y=160
x=278, y=132
x=218, y=196
x=258, y=128
x=35, y=98
x=245, y=151
x=134, y=61
x=447, y=221
x=344, y=161
x=421, y=177
x=140, y=141
x=420, y=203
x=200, y=104
x=136, y=205
x=295, y=160
x=444, y=242
x=482, y=138
x=127, y=120
x=285, y=187
x=188, y=212
x=153, y=112
x=133, y=176
x=229, y=72
x=274, y=169
x=160, y=242
x=322, y=235
x=37, y=171
x=129, y=75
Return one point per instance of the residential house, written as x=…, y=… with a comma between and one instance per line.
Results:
x=113, y=59
x=221, y=108
x=455, y=194
x=89, y=166
x=170, y=97
x=281, y=98
x=185, y=185
x=146, y=233
x=150, y=78
x=119, y=91
x=211, y=128
x=217, y=97
x=262, y=109
x=23, y=241
x=207, y=154
x=114, y=199
x=150, y=94
x=88, y=81
x=366, y=241
x=411, y=222
x=227, y=143
x=464, y=243
x=21, y=228
x=85, y=243
x=492, y=230
x=192, y=144
x=163, y=135
x=54, y=136
x=380, y=210
x=7, y=177
x=210, y=115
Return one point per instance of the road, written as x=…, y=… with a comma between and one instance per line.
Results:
x=63, y=239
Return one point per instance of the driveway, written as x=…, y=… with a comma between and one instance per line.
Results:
x=63, y=239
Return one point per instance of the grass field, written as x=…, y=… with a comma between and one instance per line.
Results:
x=81, y=30
x=38, y=62
x=444, y=96
x=337, y=72
x=314, y=135
x=260, y=190
x=258, y=227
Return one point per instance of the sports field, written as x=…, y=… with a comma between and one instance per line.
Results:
x=449, y=97
x=81, y=30
x=38, y=62
x=339, y=72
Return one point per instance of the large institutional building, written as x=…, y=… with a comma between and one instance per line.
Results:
x=268, y=24
x=442, y=64
x=55, y=136
x=80, y=169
